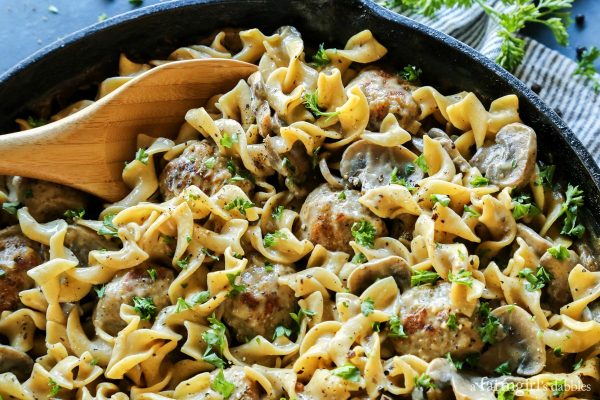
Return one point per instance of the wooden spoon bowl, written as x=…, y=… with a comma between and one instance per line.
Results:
x=87, y=149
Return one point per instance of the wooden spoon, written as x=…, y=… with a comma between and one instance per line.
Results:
x=87, y=149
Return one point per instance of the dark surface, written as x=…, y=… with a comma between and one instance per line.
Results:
x=28, y=25
x=56, y=76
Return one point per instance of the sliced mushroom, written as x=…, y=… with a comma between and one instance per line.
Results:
x=535, y=241
x=366, y=165
x=510, y=160
x=521, y=346
x=295, y=165
x=558, y=291
x=259, y=105
x=587, y=257
x=365, y=274
x=15, y=361
x=465, y=386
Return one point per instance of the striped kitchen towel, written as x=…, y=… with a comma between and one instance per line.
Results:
x=547, y=71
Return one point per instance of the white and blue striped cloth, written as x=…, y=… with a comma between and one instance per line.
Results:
x=571, y=96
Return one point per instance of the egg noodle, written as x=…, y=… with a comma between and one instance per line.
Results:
x=433, y=257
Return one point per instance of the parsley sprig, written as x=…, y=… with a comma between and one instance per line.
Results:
x=585, y=67
x=311, y=102
x=569, y=209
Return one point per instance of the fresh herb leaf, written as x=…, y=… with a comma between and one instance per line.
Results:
x=523, y=207
x=100, y=290
x=507, y=392
x=559, y=252
x=321, y=59
x=302, y=314
x=270, y=239
x=396, y=328
x=152, y=273
x=503, y=369
x=349, y=372
x=443, y=199
x=578, y=364
x=557, y=352
x=421, y=163
x=282, y=331
x=54, y=387
x=182, y=305
x=452, y=322
x=411, y=73
x=585, y=67
x=546, y=176
x=367, y=306
x=208, y=254
x=364, y=233
x=342, y=195
x=235, y=288
x=479, y=181
x=458, y=364
x=240, y=204
x=210, y=162
x=145, y=307
x=108, y=228
x=570, y=207
x=184, y=262
x=423, y=277
x=311, y=102
x=395, y=179
x=537, y=280
x=359, y=258
x=11, y=207
x=142, y=156
x=74, y=215
x=424, y=381
x=489, y=329
x=462, y=277
x=277, y=212
x=214, y=337
x=201, y=297
x=227, y=140
x=558, y=387
x=471, y=212
x=213, y=359
x=221, y=385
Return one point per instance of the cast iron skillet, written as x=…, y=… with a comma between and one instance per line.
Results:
x=61, y=72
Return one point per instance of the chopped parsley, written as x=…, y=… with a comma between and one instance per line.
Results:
x=108, y=228
x=422, y=277
x=182, y=305
x=227, y=140
x=235, y=288
x=142, y=156
x=100, y=290
x=152, y=273
x=452, y=322
x=489, y=328
x=342, y=195
x=507, y=392
x=349, y=372
x=585, y=66
x=311, y=102
x=314, y=160
x=537, y=280
x=201, y=297
x=208, y=254
x=421, y=163
x=578, y=364
x=214, y=337
x=523, y=207
x=557, y=352
x=364, y=233
x=559, y=252
x=277, y=212
x=402, y=180
x=11, y=207
x=167, y=239
x=396, y=328
x=462, y=277
x=240, y=204
x=281, y=330
x=558, y=387
x=442, y=199
x=74, y=215
x=546, y=176
x=184, y=262
x=145, y=307
x=36, y=122
x=479, y=181
x=359, y=258
x=424, y=381
x=411, y=73
x=269, y=267
x=302, y=313
x=471, y=212
x=503, y=369
x=222, y=385
x=54, y=387
x=321, y=59
x=569, y=208
x=270, y=239
x=458, y=364
x=367, y=306
x=210, y=162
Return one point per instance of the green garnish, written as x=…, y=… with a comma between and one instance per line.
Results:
x=100, y=290
x=424, y=381
x=182, y=305
x=54, y=387
x=569, y=208
x=585, y=67
x=220, y=384
x=282, y=331
x=489, y=329
x=74, y=215
x=201, y=297
x=183, y=263
x=11, y=207
x=227, y=141
x=108, y=229
x=507, y=392
x=311, y=102
x=537, y=280
x=559, y=252
x=443, y=199
x=558, y=387
x=419, y=277
x=471, y=212
x=214, y=337
x=142, y=156
x=208, y=254
x=503, y=369
x=359, y=258
x=411, y=73
x=152, y=273
x=145, y=307
x=301, y=314
x=35, y=122
x=396, y=328
x=277, y=212
x=240, y=204
x=523, y=207
x=578, y=364
x=342, y=195
x=462, y=277
x=479, y=181
x=321, y=59
x=452, y=322
x=210, y=162
x=349, y=372
x=367, y=306
x=235, y=288
x=557, y=352
x=421, y=163
x=364, y=233
x=270, y=239
x=546, y=176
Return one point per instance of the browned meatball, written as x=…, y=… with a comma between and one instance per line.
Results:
x=81, y=240
x=424, y=312
x=47, y=201
x=386, y=93
x=201, y=165
x=263, y=305
x=327, y=217
x=18, y=255
x=245, y=387
x=124, y=287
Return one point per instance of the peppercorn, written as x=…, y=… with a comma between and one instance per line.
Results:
x=580, y=50
x=580, y=19
x=536, y=88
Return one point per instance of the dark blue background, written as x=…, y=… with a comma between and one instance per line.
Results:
x=28, y=25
